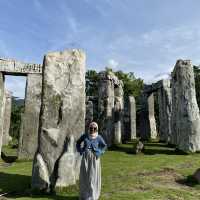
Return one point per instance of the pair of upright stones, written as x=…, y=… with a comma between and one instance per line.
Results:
x=27, y=146
x=111, y=109
x=148, y=127
x=178, y=110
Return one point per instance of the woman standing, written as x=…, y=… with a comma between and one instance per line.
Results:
x=90, y=172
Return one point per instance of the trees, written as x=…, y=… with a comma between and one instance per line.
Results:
x=91, y=78
x=197, y=83
x=132, y=85
x=16, y=112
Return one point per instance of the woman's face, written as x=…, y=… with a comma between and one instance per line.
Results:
x=93, y=129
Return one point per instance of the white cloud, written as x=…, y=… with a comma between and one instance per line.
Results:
x=112, y=63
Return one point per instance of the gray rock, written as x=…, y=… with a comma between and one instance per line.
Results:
x=185, y=111
x=110, y=107
x=132, y=108
x=118, y=113
x=30, y=121
x=196, y=175
x=139, y=147
x=66, y=172
x=11, y=66
x=6, y=117
x=147, y=117
x=165, y=109
x=62, y=118
x=106, y=107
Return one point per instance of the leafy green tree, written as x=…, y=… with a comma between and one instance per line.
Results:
x=16, y=112
x=197, y=83
x=132, y=85
x=91, y=78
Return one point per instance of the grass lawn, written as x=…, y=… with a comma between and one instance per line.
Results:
x=160, y=173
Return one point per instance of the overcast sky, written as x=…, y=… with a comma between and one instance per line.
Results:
x=141, y=36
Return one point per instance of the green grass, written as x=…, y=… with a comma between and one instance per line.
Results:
x=160, y=173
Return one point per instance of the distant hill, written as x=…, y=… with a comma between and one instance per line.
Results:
x=17, y=101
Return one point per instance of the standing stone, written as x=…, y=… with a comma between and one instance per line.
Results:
x=28, y=140
x=1, y=109
x=62, y=120
x=89, y=114
x=185, y=111
x=165, y=108
x=118, y=113
x=7, y=116
x=132, y=110
x=109, y=85
x=106, y=106
x=147, y=117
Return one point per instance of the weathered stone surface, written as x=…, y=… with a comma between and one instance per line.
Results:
x=165, y=109
x=62, y=118
x=196, y=175
x=30, y=121
x=6, y=117
x=66, y=173
x=10, y=66
x=118, y=113
x=185, y=111
x=132, y=110
x=1, y=109
x=89, y=114
x=147, y=117
x=139, y=147
x=106, y=105
x=127, y=120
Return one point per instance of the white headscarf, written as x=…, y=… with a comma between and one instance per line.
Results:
x=95, y=134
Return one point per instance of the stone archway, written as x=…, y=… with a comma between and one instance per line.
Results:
x=147, y=116
x=30, y=120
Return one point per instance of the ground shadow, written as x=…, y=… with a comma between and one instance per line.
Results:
x=156, y=144
x=167, y=151
x=150, y=148
x=126, y=149
x=17, y=186
x=188, y=181
x=8, y=159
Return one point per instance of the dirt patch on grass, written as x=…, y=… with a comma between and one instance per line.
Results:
x=164, y=171
x=165, y=178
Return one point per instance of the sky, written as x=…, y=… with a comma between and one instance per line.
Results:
x=141, y=36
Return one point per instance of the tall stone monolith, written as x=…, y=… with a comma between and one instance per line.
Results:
x=118, y=113
x=62, y=120
x=165, y=109
x=147, y=117
x=30, y=121
x=185, y=111
x=7, y=117
x=132, y=110
x=109, y=85
x=106, y=106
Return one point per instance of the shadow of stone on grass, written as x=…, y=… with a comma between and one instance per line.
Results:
x=17, y=186
x=188, y=181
